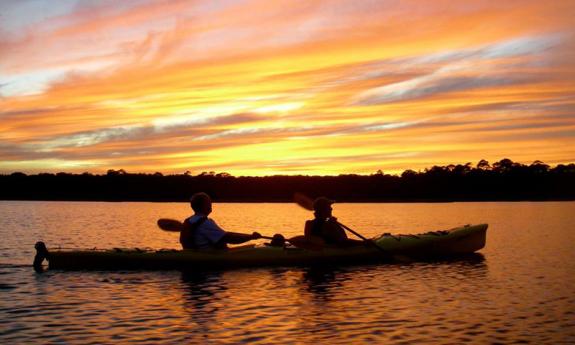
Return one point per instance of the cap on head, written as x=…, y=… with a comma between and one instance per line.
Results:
x=322, y=203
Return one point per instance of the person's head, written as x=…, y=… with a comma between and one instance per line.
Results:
x=201, y=203
x=322, y=207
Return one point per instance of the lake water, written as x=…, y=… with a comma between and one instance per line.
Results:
x=520, y=290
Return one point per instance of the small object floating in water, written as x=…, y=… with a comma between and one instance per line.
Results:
x=435, y=244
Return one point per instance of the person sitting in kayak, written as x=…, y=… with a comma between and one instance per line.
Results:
x=324, y=229
x=201, y=232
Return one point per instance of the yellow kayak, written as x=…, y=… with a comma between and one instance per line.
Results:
x=445, y=243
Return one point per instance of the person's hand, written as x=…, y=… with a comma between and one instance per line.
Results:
x=278, y=240
x=256, y=235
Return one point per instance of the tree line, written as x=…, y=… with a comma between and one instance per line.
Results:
x=502, y=180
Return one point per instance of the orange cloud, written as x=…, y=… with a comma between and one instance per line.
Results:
x=255, y=88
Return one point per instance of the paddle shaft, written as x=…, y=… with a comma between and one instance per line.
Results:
x=352, y=231
x=177, y=226
x=363, y=238
x=298, y=241
x=307, y=203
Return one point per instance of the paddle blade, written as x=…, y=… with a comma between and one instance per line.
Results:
x=170, y=224
x=304, y=243
x=303, y=201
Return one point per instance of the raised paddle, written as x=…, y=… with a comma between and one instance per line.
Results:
x=307, y=203
x=174, y=225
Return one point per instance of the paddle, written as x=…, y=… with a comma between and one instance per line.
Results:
x=307, y=203
x=174, y=225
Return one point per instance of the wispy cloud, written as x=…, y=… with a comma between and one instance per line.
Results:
x=483, y=67
x=259, y=87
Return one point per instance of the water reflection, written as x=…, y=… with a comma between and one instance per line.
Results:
x=202, y=292
x=467, y=259
x=472, y=266
x=320, y=281
x=521, y=290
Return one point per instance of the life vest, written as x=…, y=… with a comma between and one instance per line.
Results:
x=317, y=227
x=187, y=235
x=332, y=235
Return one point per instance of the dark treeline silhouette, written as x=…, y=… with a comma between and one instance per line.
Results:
x=503, y=180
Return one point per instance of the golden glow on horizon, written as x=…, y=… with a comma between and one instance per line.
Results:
x=290, y=88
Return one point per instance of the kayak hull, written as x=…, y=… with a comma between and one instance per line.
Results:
x=449, y=243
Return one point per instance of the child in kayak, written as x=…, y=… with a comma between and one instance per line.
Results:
x=201, y=232
x=324, y=229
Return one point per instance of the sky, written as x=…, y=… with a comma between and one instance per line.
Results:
x=259, y=87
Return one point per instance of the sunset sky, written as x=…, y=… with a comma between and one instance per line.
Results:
x=284, y=87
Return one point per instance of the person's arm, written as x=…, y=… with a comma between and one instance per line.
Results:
x=219, y=237
x=334, y=231
x=307, y=229
x=338, y=235
x=237, y=237
x=186, y=238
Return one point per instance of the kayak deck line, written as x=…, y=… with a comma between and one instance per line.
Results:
x=444, y=243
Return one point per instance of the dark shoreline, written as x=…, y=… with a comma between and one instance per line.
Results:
x=504, y=181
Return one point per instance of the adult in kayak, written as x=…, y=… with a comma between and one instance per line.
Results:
x=201, y=232
x=324, y=229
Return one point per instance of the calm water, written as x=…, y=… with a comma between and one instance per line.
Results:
x=521, y=290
